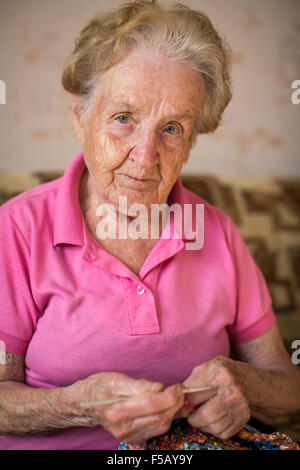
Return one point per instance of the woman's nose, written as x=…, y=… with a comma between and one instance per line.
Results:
x=145, y=151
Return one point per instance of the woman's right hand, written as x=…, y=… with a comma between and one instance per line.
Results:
x=147, y=413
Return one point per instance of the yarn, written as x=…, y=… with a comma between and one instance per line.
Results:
x=182, y=436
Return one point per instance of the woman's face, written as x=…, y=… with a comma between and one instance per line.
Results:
x=138, y=134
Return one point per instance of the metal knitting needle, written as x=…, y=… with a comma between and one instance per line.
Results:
x=120, y=399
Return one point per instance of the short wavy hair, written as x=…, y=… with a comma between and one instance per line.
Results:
x=184, y=34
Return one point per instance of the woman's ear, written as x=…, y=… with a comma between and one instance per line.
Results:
x=76, y=118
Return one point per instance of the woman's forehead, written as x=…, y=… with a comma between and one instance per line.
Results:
x=134, y=84
x=149, y=65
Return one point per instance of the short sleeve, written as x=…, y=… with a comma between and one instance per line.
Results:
x=254, y=312
x=18, y=312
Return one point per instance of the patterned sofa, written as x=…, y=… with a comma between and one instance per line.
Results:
x=267, y=214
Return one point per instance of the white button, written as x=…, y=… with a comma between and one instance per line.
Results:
x=140, y=289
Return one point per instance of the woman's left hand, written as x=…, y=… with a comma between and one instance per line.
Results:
x=224, y=409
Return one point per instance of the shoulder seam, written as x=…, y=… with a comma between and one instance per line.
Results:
x=11, y=201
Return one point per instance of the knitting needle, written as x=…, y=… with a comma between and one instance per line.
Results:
x=120, y=399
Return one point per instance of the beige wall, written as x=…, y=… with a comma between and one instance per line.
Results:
x=260, y=130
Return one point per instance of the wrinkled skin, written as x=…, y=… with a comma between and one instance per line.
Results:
x=149, y=412
x=140, y=126
x=223, y=410
x=135, y=142
x=29, y=410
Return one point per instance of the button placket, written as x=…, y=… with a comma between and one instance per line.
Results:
x=141, y=308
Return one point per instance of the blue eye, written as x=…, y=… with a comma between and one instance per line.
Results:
x=171, y=130
x=123, y=119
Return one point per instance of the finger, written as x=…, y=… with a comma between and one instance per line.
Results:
x=209, y=413
x=198, y=398
x=230, y=431
x=142, y=428
x=217, y=420
x=193, y=400
x=182, y=413
x=201, y=376
x=218, y=427
x=149, y=403
x=240, y=416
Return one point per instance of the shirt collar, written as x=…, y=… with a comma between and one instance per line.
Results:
x=68, y=216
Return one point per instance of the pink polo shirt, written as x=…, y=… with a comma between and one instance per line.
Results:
x=73, y=309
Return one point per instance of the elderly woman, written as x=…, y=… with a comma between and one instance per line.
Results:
x=86, y=318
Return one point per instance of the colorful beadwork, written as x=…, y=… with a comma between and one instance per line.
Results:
x=182, y=436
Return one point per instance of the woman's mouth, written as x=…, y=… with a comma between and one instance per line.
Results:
x=137, y=179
